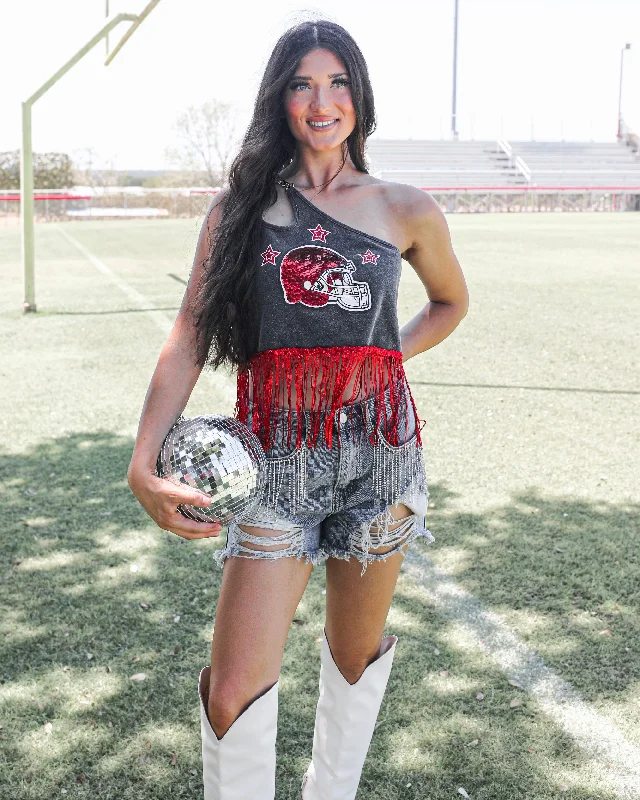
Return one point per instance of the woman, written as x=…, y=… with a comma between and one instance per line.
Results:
x=295, y=283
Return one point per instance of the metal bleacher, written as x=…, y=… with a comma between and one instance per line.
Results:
x=435, y=164
x=454, y=166
x=583, y=164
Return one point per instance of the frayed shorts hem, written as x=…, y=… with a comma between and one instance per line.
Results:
x=319, y=555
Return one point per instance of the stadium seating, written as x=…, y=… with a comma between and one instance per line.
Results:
x=440, y=165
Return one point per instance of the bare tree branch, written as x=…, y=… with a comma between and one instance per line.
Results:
x=206, y=140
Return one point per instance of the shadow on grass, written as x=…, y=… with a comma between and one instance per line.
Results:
x=94, y=593
x=564, y=573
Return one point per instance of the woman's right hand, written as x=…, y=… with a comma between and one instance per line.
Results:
x=160, y=498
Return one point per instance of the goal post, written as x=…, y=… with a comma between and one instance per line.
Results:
x=139, y=20
x=26, y=152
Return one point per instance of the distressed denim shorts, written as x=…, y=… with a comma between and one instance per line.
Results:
x=341, y=513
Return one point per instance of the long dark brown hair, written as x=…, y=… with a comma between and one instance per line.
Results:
x=224, y=304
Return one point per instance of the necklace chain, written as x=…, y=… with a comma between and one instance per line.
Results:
x=322, y=185
x=288, y=183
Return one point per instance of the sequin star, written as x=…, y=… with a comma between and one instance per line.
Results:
x=369, y=257
x=269, y=256
x=318, y=233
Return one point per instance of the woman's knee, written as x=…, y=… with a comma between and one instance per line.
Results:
x=352, y=669
x=353, y=660
x=228, y=699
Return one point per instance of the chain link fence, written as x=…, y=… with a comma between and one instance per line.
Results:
x=108, y=203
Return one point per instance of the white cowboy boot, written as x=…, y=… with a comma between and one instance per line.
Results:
x=241, y=765
x=345, y=718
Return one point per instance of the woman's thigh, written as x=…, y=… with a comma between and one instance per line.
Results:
x=257, y=602
x=358, y=604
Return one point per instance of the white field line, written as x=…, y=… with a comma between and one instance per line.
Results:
x=224, y=386
x=612, y=759
x=160, y=319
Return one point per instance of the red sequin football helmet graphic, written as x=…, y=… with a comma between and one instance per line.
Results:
x=317, y=276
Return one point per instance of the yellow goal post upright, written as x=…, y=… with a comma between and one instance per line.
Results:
x=26, y=152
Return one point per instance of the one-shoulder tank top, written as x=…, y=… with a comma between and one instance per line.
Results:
x=328, y=333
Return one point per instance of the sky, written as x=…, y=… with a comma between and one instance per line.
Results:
x=541, y=69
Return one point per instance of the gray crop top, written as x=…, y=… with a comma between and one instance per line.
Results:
x=328, y=332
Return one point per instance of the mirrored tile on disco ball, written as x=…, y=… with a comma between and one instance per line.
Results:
x=218, y=455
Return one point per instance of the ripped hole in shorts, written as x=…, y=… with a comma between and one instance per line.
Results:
x=288, y=541
x=245, y=544
x=384, y=535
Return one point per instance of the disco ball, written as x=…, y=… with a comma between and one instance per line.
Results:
x=218, y=455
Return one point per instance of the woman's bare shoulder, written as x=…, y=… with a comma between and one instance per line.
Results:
x=215, y=208
x=219, y=197
x=406, y=199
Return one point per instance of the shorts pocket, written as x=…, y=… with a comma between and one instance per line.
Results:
x=407, y=433
x=285, y=487
x=410, y=442
x=398, y=470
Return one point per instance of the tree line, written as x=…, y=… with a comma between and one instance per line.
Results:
x=50, y=170
x=206, y=141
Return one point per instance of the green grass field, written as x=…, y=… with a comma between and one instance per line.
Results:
x=532, y=452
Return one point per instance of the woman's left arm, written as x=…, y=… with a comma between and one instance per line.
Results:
x=431, y=255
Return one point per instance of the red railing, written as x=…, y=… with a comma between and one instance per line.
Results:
x=525, y=188
x=50, y=196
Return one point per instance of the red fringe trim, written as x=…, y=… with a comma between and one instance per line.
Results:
x=267, y=380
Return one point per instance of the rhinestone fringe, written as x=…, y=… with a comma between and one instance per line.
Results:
x=397, y=471
x=279, y=469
